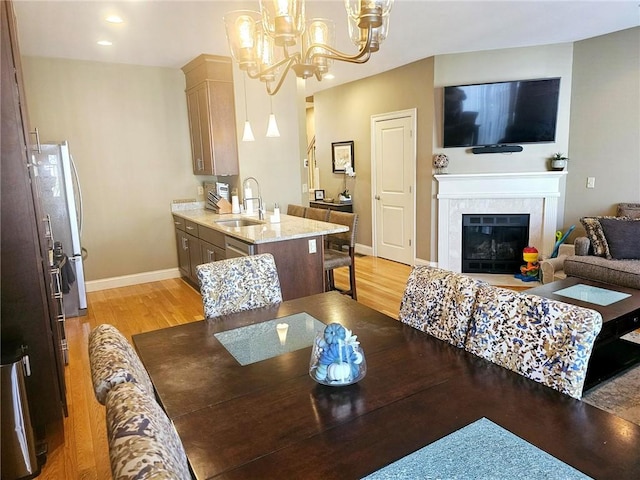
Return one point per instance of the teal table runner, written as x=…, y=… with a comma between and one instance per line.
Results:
x=481, y=450
x=260, y=341
x=597, y=295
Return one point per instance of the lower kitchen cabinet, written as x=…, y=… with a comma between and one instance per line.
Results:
x=196, y=245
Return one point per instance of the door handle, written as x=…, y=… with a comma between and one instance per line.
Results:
x=377, y=197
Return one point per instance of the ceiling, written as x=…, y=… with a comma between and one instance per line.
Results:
x=171, y=33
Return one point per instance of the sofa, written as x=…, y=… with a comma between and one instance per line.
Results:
x=542, y=339
x=610, y=251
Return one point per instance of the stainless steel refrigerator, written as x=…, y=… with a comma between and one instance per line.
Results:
x=61, y=200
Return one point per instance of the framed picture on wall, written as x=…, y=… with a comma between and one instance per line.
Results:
x=319, y=194
x=342, y=155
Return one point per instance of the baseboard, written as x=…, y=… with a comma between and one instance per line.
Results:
x=420, y=261
x=364, y=249
x=128, y=280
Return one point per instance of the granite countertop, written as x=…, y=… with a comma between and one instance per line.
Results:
x=289, y=228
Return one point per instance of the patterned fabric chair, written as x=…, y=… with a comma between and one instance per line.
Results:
x=113, y=361
x=334, y=254
x=545, y=340
x=440, y=303
x=143, y=443
x=296, y=210
x=237, y=284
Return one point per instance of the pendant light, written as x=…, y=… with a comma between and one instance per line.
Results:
x=247, y=135
x=272, y=126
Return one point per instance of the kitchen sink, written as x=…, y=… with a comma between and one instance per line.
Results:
x=238, y=222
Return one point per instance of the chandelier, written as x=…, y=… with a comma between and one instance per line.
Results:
x=269, y=43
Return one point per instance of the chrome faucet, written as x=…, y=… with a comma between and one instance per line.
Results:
x=246, y=199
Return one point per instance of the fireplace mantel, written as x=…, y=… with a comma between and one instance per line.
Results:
x=534, y=193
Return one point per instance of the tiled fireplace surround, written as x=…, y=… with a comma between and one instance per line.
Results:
x=534, y=193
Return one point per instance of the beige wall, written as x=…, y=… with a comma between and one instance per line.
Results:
x=344, y=113
x=605, y=125
x=127, y=129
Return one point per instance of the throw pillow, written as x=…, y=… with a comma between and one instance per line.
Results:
x=631, y=210
x=623, y=237
x=596, y=235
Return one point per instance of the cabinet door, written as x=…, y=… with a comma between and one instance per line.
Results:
x=182, y=242
x=195, y=257
x=222, y=124
x=195, y=129
x=211, y=253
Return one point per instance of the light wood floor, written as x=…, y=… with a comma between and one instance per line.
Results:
x=82, y=451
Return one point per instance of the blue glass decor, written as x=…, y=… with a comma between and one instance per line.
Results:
x=336, y=357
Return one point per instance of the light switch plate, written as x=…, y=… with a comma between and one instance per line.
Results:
x=591, y=182
x=312, y=246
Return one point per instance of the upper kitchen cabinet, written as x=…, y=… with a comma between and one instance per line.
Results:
x=212, y=115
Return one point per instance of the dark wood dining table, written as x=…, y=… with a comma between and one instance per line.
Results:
x=270, y=419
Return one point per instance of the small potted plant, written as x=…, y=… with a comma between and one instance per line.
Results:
x=558, y=161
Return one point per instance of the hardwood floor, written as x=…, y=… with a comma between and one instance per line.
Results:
x=82, y=453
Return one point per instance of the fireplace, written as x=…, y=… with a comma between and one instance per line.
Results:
x=493, y=243
x=536, y=194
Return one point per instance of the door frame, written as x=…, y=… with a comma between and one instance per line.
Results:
x=412, y=113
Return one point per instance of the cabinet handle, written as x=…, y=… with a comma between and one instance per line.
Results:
x=185, y=243
x=200, y=164
x=189, y=227
x=177, y=223
x=37, y=134
x=210, y=255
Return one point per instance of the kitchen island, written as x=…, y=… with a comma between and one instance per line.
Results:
x=296, y=244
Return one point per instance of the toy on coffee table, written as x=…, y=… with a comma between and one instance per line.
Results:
x=530, y=271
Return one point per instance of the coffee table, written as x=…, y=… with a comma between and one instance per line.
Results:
x=620, y=315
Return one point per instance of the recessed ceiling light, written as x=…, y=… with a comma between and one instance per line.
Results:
x=105, y=43
x=114, y=19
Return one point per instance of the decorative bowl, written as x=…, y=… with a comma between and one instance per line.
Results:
x=336, y=357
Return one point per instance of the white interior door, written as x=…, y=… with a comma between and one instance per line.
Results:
x=394, y=152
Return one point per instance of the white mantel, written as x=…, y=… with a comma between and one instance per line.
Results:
x=534, y=193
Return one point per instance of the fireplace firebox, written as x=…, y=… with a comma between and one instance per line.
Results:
x=494, y=243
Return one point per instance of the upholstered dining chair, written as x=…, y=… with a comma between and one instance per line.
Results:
x=113, y=360
x=143, y=443
x=439, y=302
x=296, y=210
x=542, y=339
x=335, y=255
x=321, y=214
x=238, y=284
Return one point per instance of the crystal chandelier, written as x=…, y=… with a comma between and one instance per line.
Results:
x=269, y=43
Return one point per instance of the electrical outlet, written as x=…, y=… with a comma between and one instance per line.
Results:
x=200, y=190
x=306, y=163
x=312, y=246
x=305, y=189
x=591, y=182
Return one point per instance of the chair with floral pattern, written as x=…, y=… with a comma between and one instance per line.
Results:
x=545, y=340
x=143, y=442
x=439, y=302
x=113, y=361
x=238, y=284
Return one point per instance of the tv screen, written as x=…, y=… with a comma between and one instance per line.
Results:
x=484, y=114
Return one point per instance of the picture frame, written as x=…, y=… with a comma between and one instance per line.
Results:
x=319, y=194
x=342, y=156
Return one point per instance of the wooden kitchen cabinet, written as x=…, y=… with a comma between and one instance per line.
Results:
x=29, y=312
x=188, y=245
x=212, y=117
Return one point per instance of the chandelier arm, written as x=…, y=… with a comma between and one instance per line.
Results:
x=272, y=68
x=289, y=62
x=338, y=55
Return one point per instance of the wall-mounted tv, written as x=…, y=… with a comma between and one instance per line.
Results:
x=523, y=111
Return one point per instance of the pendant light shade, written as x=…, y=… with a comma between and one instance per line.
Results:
x=272, y=126
x=247, y=135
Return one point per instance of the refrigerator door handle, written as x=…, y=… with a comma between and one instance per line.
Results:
x=76, y=181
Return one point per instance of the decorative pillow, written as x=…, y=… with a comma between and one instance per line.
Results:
x=631, y=210
x=623, y=237
x=596, y=235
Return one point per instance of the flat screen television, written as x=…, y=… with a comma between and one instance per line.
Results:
x=523, y=111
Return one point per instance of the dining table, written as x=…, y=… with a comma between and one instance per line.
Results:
x=245, y=406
